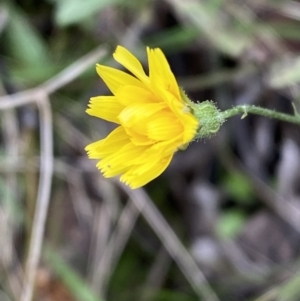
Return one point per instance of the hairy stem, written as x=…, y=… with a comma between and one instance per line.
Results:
x=250, y=109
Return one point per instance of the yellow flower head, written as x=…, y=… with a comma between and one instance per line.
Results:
x=153, y=119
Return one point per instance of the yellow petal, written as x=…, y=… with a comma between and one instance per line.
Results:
x=164, y=127
x=128, y=95
x=160, y=72
x=109, y=145
x=114, y=78
x=177, y=106
x=167, y=147
x=92, y=149
x=139, y=137
x=112, y=171
x=130, y=62
x=105, y=107
x=124, y=155
x=190, y=127
x=141, y=175
x=137, y=112
x=189, y=121
x=138, y=128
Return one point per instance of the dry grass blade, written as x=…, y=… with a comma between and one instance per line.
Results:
x=40, y=96
x=157, y=274
x=172, y=243
x=11, y=135
x=3, y=18
x=74, y=70
x=115, y=247
x=4, y=297
x=8, y=257
x=63, y=78
x=211, y=23
x=43, y=197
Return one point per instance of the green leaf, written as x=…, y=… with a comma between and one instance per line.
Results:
x=8, y=201
x=74, y=11
x=230, y=223
x=207, y=18
x=24, y=42
x=239, y=188
x=290, y=290
x=173, y=39
x=70, y=278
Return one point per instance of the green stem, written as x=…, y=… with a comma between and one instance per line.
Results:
x=250, y=109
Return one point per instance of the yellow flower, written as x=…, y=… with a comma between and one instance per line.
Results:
x=153, y=119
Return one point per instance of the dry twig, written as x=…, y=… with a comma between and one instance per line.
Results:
x=40, y=96
x=43, y=197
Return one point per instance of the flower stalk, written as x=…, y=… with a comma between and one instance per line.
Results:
x=251, y=109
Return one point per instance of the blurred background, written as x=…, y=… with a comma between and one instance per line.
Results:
x=223, y=221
